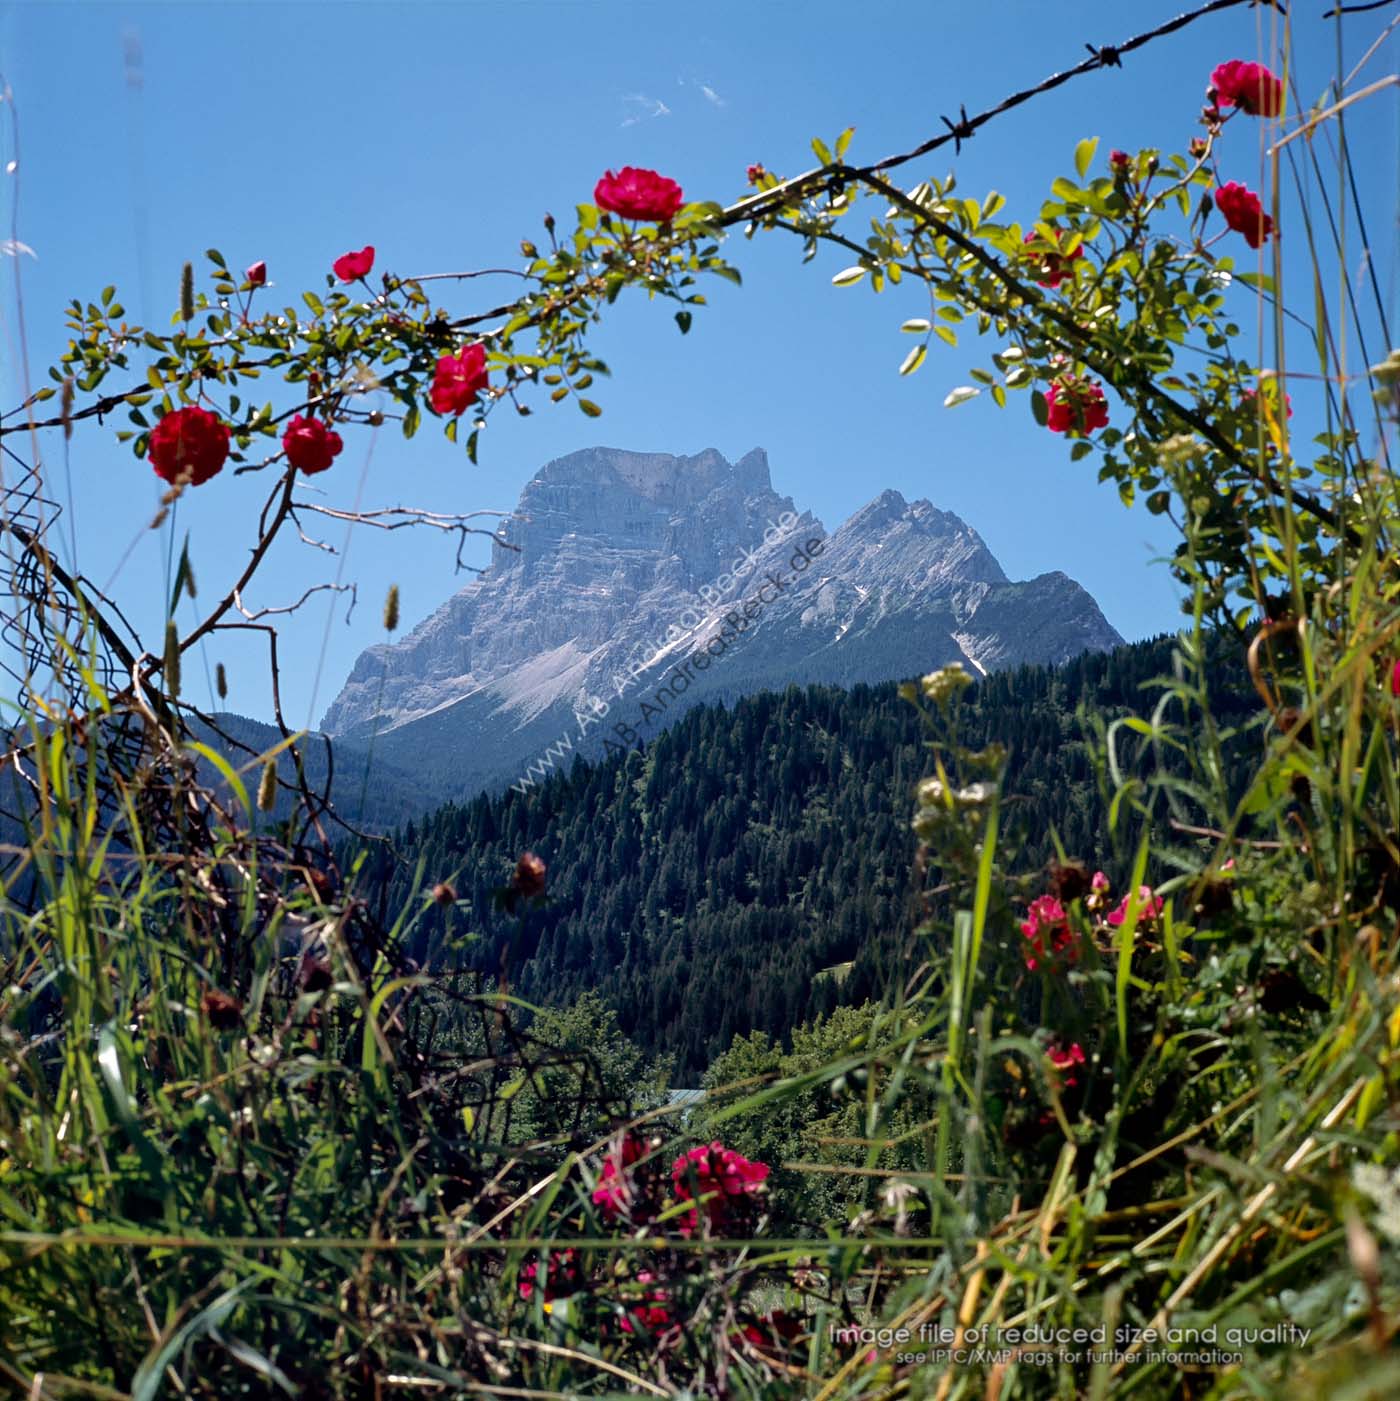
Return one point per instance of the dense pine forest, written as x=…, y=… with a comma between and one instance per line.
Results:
x=707, y=886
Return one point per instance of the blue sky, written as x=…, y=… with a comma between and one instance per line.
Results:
x=442, y=133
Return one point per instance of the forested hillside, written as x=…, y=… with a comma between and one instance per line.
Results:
x=708, y=886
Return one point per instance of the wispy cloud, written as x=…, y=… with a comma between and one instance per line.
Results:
x=647, y=108
x=713, y=97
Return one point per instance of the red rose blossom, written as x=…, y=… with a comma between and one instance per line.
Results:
x=1395, y=679
x=350, y=266
x=1075, y=405
x=189, y=445
x=1052, y=268
x=1120, y=161
x=458, y=379
x=1248, y=86
x=310, y=446
x=257, y=274
x=1244, y=213
x=719, y=1174
x=638, y=194
x=756, y=172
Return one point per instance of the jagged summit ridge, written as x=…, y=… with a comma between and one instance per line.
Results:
x=620, y=564
x=602, y=540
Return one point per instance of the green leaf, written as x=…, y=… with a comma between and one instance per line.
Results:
x=184, y=576
x=589, y=407
x=149, y=1380
x=843, y=141
x=917, y=325
x=1256, y=279
x=914, y=359
x=960, y=395
x=215, y=257
x=109, y=1063
x=848, y=277
x=1040, y=408
x=822, y=151
x=683, y=320
x=1084, y=155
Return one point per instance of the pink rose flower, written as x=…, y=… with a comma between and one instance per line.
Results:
x=349, y=267
x=458, y=379
x=1076, y=405
x=638, y=194
x=1244, y=213
x=725, y=1177
x=1149, y=907
x=1249, y=86
x=1047, y=920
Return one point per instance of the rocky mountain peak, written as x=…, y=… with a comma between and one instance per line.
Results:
x=615, y=556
